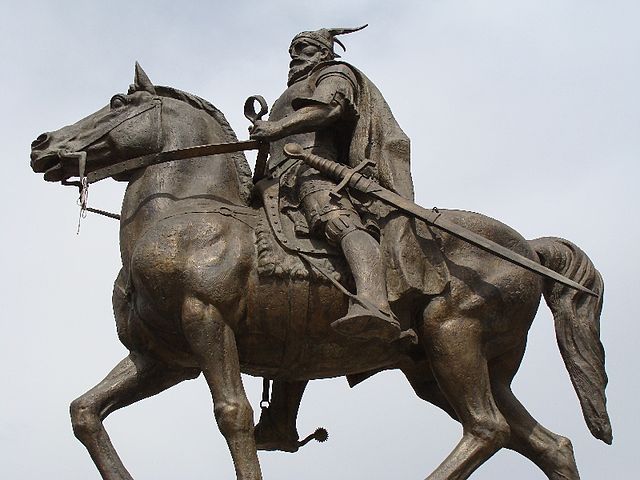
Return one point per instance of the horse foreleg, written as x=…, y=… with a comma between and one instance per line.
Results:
x=214, y=346
x=455, y=351
x=133, y=379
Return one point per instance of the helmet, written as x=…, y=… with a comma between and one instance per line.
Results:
x=325, y=37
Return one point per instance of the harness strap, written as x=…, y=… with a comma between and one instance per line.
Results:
x=117, y=120
x=266, y=386
x=104, y=213
x=81, y=155
x=326, y=274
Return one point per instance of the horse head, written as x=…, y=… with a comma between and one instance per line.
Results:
x=129, y=126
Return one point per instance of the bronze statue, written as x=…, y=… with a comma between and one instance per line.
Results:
x=213, y=281
x=333, y=110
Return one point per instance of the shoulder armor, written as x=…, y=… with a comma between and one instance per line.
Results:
x=329, y=69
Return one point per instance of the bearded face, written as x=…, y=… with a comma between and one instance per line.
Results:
x=305, y=56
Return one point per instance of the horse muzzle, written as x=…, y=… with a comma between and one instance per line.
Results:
x=55, y=165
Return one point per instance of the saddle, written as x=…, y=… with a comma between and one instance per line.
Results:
x=283, y=249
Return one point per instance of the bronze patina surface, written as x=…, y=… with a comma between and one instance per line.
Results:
x=292, y=280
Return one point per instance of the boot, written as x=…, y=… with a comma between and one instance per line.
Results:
x=369, y=315
x=367, y=323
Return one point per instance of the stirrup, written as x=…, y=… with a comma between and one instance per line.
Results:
x=367, y=322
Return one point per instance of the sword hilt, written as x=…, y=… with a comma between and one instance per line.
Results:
x=329, y=168
x=334, y=170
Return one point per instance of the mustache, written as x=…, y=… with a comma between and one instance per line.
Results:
x=298, y=63
x=298, y=69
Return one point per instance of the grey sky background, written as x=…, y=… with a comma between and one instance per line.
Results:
x=527, y=111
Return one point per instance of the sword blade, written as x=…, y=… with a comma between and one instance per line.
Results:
x=367, y=185
x=437, y=220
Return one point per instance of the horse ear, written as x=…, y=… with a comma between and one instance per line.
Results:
x=141, y=81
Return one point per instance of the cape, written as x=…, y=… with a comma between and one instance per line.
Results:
x=415, y=264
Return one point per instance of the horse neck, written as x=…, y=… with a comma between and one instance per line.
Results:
x=158, y=186
x=152, y=193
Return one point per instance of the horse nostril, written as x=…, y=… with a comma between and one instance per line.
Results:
x=40, y=141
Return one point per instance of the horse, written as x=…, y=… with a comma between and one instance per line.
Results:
x=189, y=299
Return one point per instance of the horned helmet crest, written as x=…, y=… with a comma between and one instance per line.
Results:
x=326, y=37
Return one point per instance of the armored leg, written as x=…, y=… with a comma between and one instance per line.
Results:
x=370, y=315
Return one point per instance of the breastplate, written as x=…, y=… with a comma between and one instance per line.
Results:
x=318, y=142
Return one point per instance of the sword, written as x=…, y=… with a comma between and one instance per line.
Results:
x=352, y=178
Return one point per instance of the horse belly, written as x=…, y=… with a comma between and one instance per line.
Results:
x=287, y=334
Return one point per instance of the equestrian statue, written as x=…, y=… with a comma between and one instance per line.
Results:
x=317, y=265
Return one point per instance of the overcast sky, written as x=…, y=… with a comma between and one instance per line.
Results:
x=527, y=111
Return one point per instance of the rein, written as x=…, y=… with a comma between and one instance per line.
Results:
x=170, y=155
x=145, y=161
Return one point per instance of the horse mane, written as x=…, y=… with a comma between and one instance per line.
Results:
x=242, y=166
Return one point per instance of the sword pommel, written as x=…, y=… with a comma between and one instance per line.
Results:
x=293, y=150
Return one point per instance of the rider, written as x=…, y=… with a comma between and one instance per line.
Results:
x=332, y=110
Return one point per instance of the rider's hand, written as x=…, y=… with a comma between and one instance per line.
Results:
x=264, y=130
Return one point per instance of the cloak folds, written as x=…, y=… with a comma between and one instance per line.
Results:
x=415, y=264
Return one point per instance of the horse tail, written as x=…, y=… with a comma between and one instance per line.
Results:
x=577, y=323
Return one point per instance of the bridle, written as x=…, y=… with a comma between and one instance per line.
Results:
x=81, y=155
x=158, y=157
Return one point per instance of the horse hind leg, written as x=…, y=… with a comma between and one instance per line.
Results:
x=552, y=453
x=427, y=389
x=454, y=348
x=213, y=344
x=133, y=379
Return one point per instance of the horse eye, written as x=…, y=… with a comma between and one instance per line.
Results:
x=118, y=101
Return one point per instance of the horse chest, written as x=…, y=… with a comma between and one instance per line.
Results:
x=206, y=256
